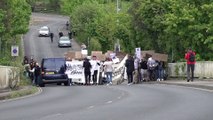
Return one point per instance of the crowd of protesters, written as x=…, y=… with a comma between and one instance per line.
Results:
x=139, y=70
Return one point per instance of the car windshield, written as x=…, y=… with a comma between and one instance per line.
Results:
x=64, y=39
x=49, y=64
x=44, y=29
x=54, y=63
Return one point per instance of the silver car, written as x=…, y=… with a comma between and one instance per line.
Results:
x=64, y=41
x=44, y=31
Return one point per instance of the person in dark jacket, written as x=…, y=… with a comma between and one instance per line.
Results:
x=37, y=73
x=51, y=36
x=60, y=34
x=130, y=69
x=87, y=71
x=70, y=34
x=143, y=65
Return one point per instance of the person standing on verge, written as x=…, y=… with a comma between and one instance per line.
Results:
x=190, y=58
x=108, y=69
x=51, y=36
x=95, y=64
x=37, y=73
x=136, y=77
x=130, y=69
x=87, y=73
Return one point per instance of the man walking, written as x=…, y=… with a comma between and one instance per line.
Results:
x=51, y=36
x=190, y=58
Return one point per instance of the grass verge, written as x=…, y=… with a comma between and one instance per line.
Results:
x=27, y=90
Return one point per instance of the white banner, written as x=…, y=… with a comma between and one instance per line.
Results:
x=75, y=71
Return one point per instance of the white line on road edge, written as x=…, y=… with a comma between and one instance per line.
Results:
x=50, y=116
x=201, y=89
x=90, y=107
x=108, y=102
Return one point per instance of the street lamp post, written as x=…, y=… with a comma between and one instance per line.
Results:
x=117, y=45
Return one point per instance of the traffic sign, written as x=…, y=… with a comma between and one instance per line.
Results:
x=14, y=50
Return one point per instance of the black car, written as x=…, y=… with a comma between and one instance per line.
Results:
x=53, y=71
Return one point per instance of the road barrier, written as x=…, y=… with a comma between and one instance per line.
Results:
x=9, y=77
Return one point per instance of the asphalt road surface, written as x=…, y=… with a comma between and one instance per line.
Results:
x=41, y=47
x=116, y=102
x=119, y=102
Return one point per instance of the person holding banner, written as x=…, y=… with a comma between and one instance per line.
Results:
x=94, y=71
x=108, y=69
x=87, y=71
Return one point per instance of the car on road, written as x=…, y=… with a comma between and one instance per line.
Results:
x=64, y=41
x=53, y=71
x=44, y=31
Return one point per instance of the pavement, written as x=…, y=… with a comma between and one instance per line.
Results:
x=202, y=84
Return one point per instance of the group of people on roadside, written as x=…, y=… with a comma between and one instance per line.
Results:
x=91, y=69
x=32, y=70
x=60, y=34
x=139, y=70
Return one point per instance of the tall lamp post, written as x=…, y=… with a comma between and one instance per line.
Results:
x=117, y=45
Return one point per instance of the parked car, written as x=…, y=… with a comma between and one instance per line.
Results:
x=64, y=41
x=53, y=71
x=44, y=31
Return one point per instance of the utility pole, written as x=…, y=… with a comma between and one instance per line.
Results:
x=117, y=8
x=117, y=44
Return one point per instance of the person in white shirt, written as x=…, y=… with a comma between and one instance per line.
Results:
x=94, y=71
x=108, y=69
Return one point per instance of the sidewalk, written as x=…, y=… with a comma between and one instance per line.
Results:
x=206, y=84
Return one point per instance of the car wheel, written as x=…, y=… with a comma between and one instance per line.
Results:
x=42, y=85
x=58, y=83
x=68, y=82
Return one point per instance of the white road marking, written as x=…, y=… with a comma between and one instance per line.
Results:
x=51, y=116
x=108, y=102
x=90, y=107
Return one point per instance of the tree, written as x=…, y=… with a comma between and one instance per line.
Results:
x=14, y=17
x=172, y=26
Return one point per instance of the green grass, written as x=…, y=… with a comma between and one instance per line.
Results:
x=21, y=93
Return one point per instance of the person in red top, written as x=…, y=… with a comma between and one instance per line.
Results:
x=190, y=58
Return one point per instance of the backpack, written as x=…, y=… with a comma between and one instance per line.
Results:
x=191, y=57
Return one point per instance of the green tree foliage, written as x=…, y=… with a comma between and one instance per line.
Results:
x=98, y=20
x=172, y=26
x=14, y=20
x=166, y=26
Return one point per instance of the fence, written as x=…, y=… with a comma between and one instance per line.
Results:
x=203, y=69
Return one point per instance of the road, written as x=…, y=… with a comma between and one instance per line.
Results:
x=41, y=47
x=117, y=102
